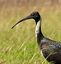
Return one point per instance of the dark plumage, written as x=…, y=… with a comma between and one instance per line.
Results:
x=51, y=49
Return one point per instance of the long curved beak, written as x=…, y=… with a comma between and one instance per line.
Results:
x=28, y=17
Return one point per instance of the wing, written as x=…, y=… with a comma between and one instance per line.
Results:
x=50, y=47
x=51, y=50
x=55, y=46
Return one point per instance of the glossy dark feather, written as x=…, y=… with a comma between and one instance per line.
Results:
x=51, y=50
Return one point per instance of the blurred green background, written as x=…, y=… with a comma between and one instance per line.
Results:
x=18, y=45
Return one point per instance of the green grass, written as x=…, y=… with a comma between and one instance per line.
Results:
x=18, y=45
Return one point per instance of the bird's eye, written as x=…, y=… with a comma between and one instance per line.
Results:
x=36, y=15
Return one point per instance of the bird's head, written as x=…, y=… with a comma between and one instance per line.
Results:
x=33, y=15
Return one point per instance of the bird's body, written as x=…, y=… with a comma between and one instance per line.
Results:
x=51, y=49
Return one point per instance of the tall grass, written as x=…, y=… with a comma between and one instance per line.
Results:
x=18, y=45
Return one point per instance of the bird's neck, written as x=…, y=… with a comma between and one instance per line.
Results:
x=38, y=32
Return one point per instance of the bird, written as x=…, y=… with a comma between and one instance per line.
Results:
x=50, y=49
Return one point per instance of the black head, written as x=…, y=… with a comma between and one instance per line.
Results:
x=36, y=16
x=33, y=15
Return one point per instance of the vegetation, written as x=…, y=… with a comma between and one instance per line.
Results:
x=18, y=45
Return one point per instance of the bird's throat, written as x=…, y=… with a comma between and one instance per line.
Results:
x=38, y=32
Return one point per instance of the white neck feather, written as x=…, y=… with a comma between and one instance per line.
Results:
x=38, y=26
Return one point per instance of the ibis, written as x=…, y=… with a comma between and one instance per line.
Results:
x=50, y=49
